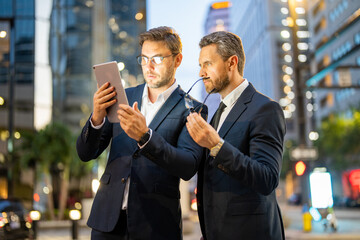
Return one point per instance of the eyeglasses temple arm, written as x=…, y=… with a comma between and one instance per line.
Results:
x=202, y=105
x=193, y=85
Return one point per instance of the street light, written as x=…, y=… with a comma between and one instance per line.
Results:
x=75, y=216
x=35, y=217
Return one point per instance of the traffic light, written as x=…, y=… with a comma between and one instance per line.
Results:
x=300, y=168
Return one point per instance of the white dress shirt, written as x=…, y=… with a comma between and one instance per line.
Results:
x=230, y=101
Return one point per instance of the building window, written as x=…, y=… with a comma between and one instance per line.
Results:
x=318, y=7
x=357, y=38
x=342, y=50
x=321, y=25
x=358, y=61
x=338, y=10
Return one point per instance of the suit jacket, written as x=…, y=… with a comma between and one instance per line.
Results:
x=153, y=205
x=236, y=189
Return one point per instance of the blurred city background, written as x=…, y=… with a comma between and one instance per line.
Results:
x=305, y=54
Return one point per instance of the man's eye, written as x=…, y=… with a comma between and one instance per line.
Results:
x=157, y=60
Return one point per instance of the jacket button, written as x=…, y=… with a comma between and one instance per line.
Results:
x=136, y=155
x=123, y=180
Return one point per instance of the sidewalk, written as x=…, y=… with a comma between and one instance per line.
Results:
x=348, y=224
x=348, y=227
x=292, y=234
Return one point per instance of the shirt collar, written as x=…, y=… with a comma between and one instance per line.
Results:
x=231, y=98
x=162, y=96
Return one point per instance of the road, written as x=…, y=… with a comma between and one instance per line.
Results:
x=348, y=227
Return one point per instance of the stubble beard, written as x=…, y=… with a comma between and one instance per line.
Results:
x=218, y=85
x=165, y=80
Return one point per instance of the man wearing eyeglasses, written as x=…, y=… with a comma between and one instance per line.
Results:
x=244, y=144
x=151, y=149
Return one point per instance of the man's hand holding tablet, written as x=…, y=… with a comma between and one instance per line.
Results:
x=110, y=93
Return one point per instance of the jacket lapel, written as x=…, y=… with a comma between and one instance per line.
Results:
x=166, y=108
x=238, y=109
x=136, y=96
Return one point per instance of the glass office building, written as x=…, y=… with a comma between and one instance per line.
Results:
x=17, y=61
x=217, y=19
x=47, y=49
x=84, y=33
x=335, y=67
x=271, y=60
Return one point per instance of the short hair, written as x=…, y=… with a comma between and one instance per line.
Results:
x=228, y=44
x=166, y=34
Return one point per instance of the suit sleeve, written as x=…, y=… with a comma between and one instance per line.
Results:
x=92, y=142
x=183, y=160
x=259, y=169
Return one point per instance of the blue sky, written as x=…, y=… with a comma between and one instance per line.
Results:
x=187, y=17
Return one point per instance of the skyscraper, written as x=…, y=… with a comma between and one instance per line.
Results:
x=17, y=61
x=335, y=43
x=85, y=33
x=265, y=28
x=218, y=19
x=47, y=49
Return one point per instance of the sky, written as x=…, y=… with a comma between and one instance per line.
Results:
x=187, y=17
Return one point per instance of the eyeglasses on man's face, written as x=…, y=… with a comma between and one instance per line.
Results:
x=157, y=60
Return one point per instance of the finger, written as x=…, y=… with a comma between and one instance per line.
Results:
x=199, y=119
x=108, y=104
x=126, y=108
x=123, y=119
x=136, y=107
x=190, y=130
x=106, y=91
x=202, y=123
x=194, y=121
x=107, y=98
x=123, y=114
x=104, y=86
x=193, y=130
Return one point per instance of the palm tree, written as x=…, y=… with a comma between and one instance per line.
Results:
x=51, y=146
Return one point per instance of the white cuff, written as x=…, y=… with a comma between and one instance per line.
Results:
x=98, y=126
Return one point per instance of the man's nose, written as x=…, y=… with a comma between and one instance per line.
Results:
x=202, y=73
x=150, y=64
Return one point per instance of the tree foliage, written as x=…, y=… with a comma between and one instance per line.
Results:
x=339, y=141
x=53, y=148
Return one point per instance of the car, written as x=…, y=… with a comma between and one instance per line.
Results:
x=15, y=221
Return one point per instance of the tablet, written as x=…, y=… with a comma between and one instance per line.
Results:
x=109, y=72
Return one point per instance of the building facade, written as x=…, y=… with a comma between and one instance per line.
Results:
x=335, y=65
x=84, y=33
x=217, y=19
x=266, y=31
x=47, y=49
x=17, y=71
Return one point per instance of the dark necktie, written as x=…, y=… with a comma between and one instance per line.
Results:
x=216, y=119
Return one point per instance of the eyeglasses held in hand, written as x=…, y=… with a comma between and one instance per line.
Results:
x=157, y=60
x=189, y=103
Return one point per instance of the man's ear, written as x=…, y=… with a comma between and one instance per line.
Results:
x=233, y=62
x=178, y=59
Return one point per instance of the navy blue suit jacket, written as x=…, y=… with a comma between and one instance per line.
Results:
x=153, y=206
x=236, y=189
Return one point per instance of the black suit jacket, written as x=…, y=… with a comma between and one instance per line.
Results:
x=153, y=206
x=236, y=189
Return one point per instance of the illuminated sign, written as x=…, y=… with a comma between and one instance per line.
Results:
x=354, y=178
x=219, y=5
x=321, y=190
